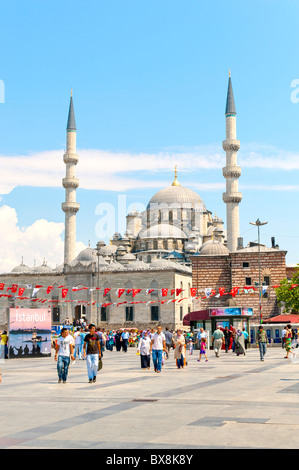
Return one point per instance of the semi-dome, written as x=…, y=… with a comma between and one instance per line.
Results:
x=175, y=196
x=163, y=231
x=213, y=247
x=115, y=266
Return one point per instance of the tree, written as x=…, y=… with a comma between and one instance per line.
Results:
x=288, y=293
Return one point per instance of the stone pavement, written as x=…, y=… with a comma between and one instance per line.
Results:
x=227, y=402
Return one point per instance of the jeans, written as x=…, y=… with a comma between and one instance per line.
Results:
x=125, y=344
x=63, y=363
x=92, y=362
x=157, y=359
x=180, y=362
x=79, y=350
x=263, y=349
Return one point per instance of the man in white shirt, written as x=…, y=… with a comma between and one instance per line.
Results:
x=158, y=344
x=124, y=340
x=64, y=351
x=78, y=342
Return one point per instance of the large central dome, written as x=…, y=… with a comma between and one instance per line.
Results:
x=175, y=196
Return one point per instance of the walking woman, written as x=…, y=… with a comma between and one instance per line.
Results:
x=288, y=341
x=179, y=352
x=239, y=343
x=144, y=349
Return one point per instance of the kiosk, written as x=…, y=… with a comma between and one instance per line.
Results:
x=209, y=319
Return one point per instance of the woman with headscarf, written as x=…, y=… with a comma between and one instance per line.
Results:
x=117, y=339
x=144, y=349
x=239, y=343
x=288, y=341
x=180, y=351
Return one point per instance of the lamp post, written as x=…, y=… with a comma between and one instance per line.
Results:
x=99, y=246
x=258, y=223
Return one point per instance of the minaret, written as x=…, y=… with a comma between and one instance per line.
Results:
x=232, y=197
x=70, y=183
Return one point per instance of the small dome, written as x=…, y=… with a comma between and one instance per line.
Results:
x=113, y=267
x=129, y=257
x=108, y=250
x=43, y=268
x=213, y=247
x=121, y=248
x=22, y=268
x=163, y=264
x=117, y=236
x=59, y=269
x=89, y=254
x=137, y=265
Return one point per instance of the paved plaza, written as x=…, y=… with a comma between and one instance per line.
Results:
x=227, y=402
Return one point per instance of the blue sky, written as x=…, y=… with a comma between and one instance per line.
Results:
x=149, y=81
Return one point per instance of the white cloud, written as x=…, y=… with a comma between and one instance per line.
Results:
x=42, y=239
x=107, y=170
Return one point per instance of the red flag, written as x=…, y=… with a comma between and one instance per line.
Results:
x=108, y=289
x=149, y=291
x=193, y=291
x=234, y=291
x=13, y=288
x=221, y=291
x=178, y=291
x=49, y=289
x=64, y=293
x=2, y=285
x=120, y=292
x=136, y=291
x=164, y=292
x=21, y=290
x=172, y=291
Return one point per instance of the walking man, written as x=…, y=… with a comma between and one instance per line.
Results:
x=158, y=344
x=92, y=352
x=168, y=338
x=218, y=337
x=64, y=352
x=262, y=341
x=124, y=340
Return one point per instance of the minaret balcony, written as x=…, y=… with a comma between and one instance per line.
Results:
x=231, y=145
x=232, y=171
x=232, y=197
x=71, y=158
x=70, y=206
x=72, y=183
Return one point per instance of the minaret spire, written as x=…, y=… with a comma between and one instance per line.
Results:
x=232, y=197
x=70, y=183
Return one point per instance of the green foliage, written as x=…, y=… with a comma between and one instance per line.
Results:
x=290, y=296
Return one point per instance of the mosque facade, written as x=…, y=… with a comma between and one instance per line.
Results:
x=155, y=252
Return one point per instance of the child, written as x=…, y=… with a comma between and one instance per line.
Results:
x=203, y=349
x=191, y=345
x=164, y=357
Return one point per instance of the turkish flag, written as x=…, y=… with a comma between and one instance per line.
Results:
x=221, y=291
x=149, y=291
x=21, y=290
x=49, y=289
x=178, y=291
x=234, y=291
x=1, y=285
x=64, y=293
x=13, y=288
x=164, y=292
x=172, y=291
x=120, y=292
x=108, y=289
x=136, y=291
x=193, y=291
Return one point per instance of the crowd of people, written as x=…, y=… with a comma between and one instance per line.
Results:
x=78, y=341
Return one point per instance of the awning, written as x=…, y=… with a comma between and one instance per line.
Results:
x=200, y=315
x=291, y=318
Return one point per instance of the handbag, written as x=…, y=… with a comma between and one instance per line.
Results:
x=100, y=364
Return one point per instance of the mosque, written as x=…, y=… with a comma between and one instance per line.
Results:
x=155, y=252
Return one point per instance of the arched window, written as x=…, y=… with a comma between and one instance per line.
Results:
x=155, y=245
x=149, y=259
x=170, y=217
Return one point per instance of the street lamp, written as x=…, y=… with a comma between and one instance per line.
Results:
x=258, y=223
x=99, y=246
